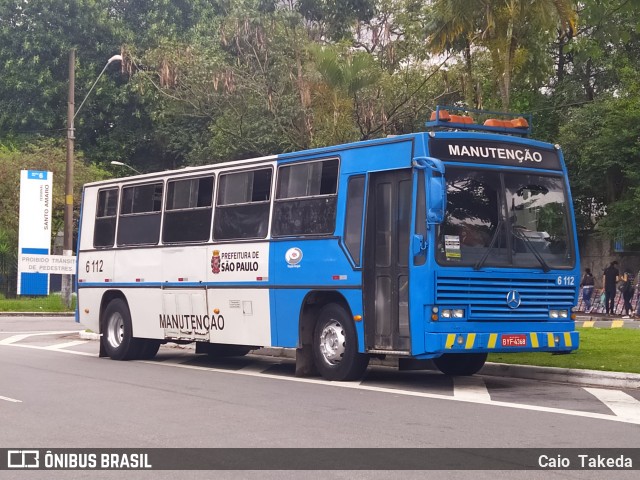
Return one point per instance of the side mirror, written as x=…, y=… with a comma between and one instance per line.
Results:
x=435, y=186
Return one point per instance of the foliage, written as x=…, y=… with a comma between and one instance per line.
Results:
x=209, y=80
x=512, y=32
x=603, y=148
x=49, y=303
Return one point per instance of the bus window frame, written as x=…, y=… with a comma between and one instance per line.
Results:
x=330, y=196
x=139, y=215
x=115, y=216
x=218, y=208
x=172, y=211
x=356, y=257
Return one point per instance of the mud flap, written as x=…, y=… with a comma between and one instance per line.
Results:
x=305, y=366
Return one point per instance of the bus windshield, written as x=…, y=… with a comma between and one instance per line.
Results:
x=505, y=219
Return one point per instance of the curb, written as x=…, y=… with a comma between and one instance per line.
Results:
x=85, y=335
x=38, y=314
x=564, y=375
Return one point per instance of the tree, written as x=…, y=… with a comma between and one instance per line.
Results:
x=504, y=28
x=603, y=158
x=333, y=20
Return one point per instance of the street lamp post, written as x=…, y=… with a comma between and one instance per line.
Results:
x=67, y=248
x=120, y=164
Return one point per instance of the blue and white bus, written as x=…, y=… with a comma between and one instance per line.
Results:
x=445, y=245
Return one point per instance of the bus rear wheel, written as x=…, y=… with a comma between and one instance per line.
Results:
x=460, y=364
x=117, y=332
x=335, y=346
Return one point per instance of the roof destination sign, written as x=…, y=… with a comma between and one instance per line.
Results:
x=500, y=153
x=52, y=264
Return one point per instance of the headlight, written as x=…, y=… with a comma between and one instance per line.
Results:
x=559, y=313
x=452, y=313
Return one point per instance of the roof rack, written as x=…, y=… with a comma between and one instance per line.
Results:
x=513, y=124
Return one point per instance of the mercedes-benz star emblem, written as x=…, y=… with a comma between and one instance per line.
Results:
x=513, y=299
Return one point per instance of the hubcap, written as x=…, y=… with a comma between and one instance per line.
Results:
x=332, y=342
x=115, y=330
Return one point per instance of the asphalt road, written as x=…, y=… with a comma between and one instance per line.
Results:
x=56, y=393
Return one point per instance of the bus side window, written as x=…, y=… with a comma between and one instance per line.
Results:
x=104, y=232
x=353, y=218
x=140, y=208
x=187, y=214
x=306, y=199
x=242, y=208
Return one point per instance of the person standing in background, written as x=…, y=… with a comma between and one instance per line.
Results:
x=587, y=284
x=627, y=293
x=609, y=279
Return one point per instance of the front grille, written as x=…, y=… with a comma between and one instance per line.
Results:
x=487, y=296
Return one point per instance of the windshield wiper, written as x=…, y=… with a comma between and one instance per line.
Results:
x=480, y=262
x=521, y=236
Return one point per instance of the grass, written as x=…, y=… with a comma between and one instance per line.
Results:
x=609, y=349
x=50, y=303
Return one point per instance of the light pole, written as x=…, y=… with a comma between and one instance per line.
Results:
x=67, y=248
x=120, y=164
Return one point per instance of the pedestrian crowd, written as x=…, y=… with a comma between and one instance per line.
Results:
x=618, y=295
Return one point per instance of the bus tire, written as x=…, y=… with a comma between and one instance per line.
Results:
x=460, y=364
x=117, y=332
x=148, y=349
x=335, y=345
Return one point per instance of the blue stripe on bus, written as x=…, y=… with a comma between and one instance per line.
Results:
x=210, y=285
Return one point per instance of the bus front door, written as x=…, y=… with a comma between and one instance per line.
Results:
x=386, y=254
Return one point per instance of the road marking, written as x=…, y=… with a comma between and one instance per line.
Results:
x=10, y=399
x=17, y=338
x=35, y=347
x=409, y=393
x=73, y=343
x=621, y=404
x=472, y=389
x=626, y=409
x=13, y=339
x=29, y=332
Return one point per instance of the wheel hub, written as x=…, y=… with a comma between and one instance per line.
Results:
x=332, y=342
x=115, y=330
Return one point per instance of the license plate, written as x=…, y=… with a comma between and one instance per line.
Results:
x=519, y=340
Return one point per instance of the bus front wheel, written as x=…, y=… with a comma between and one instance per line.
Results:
x=335, y=346
x=117, y=333
x=460, y=364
